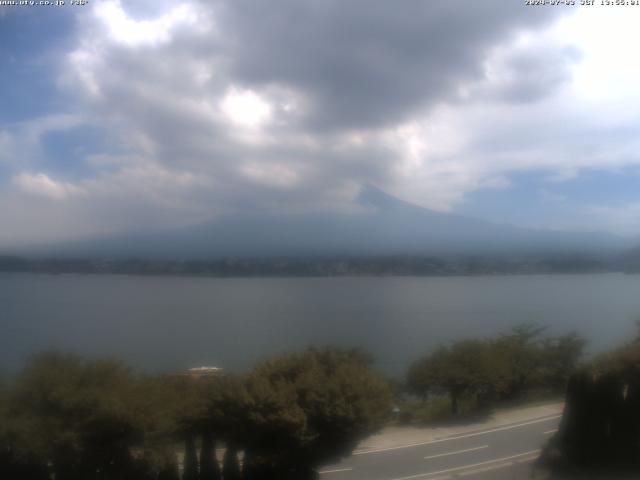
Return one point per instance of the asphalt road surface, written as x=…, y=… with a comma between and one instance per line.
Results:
x=502, y=453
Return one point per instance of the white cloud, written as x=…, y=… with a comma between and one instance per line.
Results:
x=125, y=30
x=246, y=108
x=607, y=77
x=40, y=184
x=39, y=208
x=203, y=116
x=434, y=158
x=84, y=63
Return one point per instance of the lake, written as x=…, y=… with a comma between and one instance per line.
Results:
x=171, y=323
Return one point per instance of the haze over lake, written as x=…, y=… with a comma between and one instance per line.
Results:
x=171, y=323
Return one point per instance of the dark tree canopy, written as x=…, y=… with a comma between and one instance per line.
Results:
x=457, y=369
x=77, y=415
x=314, y=406
x=504, y=367
x=79, y=419
x=600, y=427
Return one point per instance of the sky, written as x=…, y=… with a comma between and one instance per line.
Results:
x=150, y=115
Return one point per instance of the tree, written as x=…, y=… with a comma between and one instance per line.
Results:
x=467, y=366
x=75, y=415
x=95, y=420
x=504, y=367
x=561, y=357
x=13, y=463
x=168, y=469
x=523, y=357
x=226, y=405
x=178, y=413
x=190, y=461
x=230, y=465
x=600, y=427
x=419, y=379
x=209, y=468
x=312, y=407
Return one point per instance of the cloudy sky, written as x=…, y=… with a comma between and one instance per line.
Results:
x=145, y=115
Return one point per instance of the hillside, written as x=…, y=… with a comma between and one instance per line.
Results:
x=385, y=226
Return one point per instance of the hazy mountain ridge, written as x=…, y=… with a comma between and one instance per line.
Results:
x=387, y=227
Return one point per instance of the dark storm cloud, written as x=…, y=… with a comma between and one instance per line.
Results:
x=367, y=63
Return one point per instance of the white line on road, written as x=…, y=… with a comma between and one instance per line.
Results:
x=485, y=469
x=465, y=467
x=549, y=432
x=457, y=452
x=458, y=437
x=323, y=472
x=497, y=466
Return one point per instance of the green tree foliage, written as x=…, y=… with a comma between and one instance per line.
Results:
x=177, y=407
x=560, y=357
x=13, y=463
x=312, y=407
x=226, y=405
x=464, y=367
x=74, y=415
x=623, y=362
x=522, y=356
x=177, y=403
x=505, y=367
x=94, y=420
x=536, y=361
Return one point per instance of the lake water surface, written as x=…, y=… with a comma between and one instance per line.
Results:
x=171, y=323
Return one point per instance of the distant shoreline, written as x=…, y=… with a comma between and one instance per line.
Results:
x=319, y=267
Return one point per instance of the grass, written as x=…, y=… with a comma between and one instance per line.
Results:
x=437, y=409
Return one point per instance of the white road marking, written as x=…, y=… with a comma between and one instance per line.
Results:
x=458, y=437
x=549, y=432
x=495, y=467
x=457, y=452
x=490, y=468
x=323, y=472
x=465, y=467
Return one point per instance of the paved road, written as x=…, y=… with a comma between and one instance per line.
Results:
x=501, y=453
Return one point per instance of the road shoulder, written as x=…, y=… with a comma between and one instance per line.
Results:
x=401, y=436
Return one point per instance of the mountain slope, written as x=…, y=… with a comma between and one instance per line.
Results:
x=387, y=226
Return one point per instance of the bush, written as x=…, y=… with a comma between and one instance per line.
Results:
x=509, y=367
x=314, y=407
x=96, y=420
